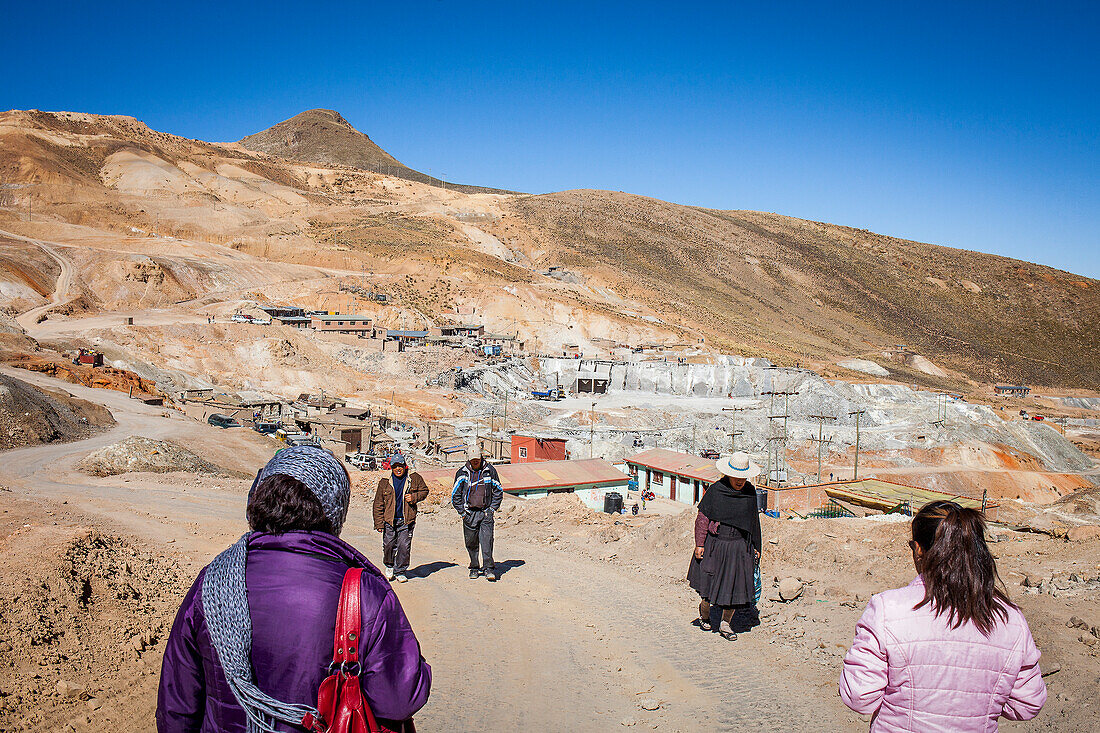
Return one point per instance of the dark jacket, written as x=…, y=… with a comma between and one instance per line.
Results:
x=293, y=584
x=385, y=499
x=482, y=485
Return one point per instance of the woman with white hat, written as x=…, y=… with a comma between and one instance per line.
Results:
x=727, y=543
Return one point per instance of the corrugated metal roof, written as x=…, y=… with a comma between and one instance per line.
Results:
x=885, y=495
x=542, y=475
x=681, y=464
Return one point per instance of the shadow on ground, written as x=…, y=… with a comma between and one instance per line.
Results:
x=423, y=571
x=504, y=567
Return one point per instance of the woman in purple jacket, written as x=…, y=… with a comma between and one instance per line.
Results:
x=949, y=652
x=253, y=639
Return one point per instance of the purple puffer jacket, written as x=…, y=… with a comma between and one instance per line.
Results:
x=294, y=584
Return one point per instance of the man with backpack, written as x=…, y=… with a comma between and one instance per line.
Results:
x=477, y=495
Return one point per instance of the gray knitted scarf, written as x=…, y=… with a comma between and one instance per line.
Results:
x=225, y=596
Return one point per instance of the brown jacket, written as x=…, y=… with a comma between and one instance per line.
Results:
x=385, y=502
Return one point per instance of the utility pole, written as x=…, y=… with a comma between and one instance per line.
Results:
x=505, y=427
x=692, y=451
x=781, y=449
x=734, y=432
x=855, y=468
x=733, y=438
x=820, y=439
x=941, y=409
x=592, y=431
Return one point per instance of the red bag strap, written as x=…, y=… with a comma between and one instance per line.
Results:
x=345, y=647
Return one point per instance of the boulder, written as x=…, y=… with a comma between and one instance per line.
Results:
x=69, y=690
x=1083, y=533
x=790, y=588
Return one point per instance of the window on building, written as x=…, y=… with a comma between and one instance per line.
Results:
x=658, y=477
x=523, y=451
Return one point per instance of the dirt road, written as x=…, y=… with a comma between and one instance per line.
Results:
x=64, y=281
x=560, y=643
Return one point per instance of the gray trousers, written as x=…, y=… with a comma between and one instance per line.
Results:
x=477, y=529
x=397, y=545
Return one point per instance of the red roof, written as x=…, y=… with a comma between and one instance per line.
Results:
x=680, y=464
x=542, y=475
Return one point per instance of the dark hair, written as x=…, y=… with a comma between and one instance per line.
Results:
x=281, y=504
x=959, y=572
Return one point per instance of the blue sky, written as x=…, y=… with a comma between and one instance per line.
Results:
x=972, y=125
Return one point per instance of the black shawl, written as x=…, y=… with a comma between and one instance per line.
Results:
x=738, y=509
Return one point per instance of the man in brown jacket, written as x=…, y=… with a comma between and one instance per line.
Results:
x=395, y=514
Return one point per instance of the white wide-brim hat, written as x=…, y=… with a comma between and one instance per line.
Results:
x=737, y=466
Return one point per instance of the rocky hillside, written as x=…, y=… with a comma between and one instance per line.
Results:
x=144, y=219
x=323, y=137
x=774, y=285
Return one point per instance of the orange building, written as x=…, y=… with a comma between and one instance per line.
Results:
x=531, y=448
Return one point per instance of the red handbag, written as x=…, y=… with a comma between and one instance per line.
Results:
x=340, y=699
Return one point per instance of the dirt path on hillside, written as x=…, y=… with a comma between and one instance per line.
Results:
x=560, y=643
x=64, y=281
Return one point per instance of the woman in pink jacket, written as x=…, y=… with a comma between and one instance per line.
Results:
x=950, y=651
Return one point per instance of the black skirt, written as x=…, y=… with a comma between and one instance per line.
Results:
x=724, y=577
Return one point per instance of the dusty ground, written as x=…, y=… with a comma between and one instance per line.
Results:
x=590, y=618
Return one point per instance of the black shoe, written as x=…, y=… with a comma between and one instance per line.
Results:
x=491, y=575
x=474, y=572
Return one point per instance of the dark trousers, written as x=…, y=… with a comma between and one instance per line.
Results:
x=477, y=528
x=397, y=545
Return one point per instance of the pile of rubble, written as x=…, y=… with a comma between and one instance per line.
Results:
x=138, y=454
x=29, y=415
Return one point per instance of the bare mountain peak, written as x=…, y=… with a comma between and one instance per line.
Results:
x=321, y=116
x=321, y=136
x=324, y=137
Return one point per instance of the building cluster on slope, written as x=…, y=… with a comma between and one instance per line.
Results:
x=459, y=335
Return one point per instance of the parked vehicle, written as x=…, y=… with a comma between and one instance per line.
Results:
x=362, y=461
x=241, y=318
x=709, y=453
x=551, y=394
x=295, y=437
x=222, y=421
x=265, y=428
x=1038, y=418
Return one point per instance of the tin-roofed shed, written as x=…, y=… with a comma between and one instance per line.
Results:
x=674, y=475
x=545, y=477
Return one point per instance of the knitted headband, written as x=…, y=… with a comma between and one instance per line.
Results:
x=320, y=472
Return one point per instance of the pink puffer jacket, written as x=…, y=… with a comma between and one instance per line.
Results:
x=914, y=673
